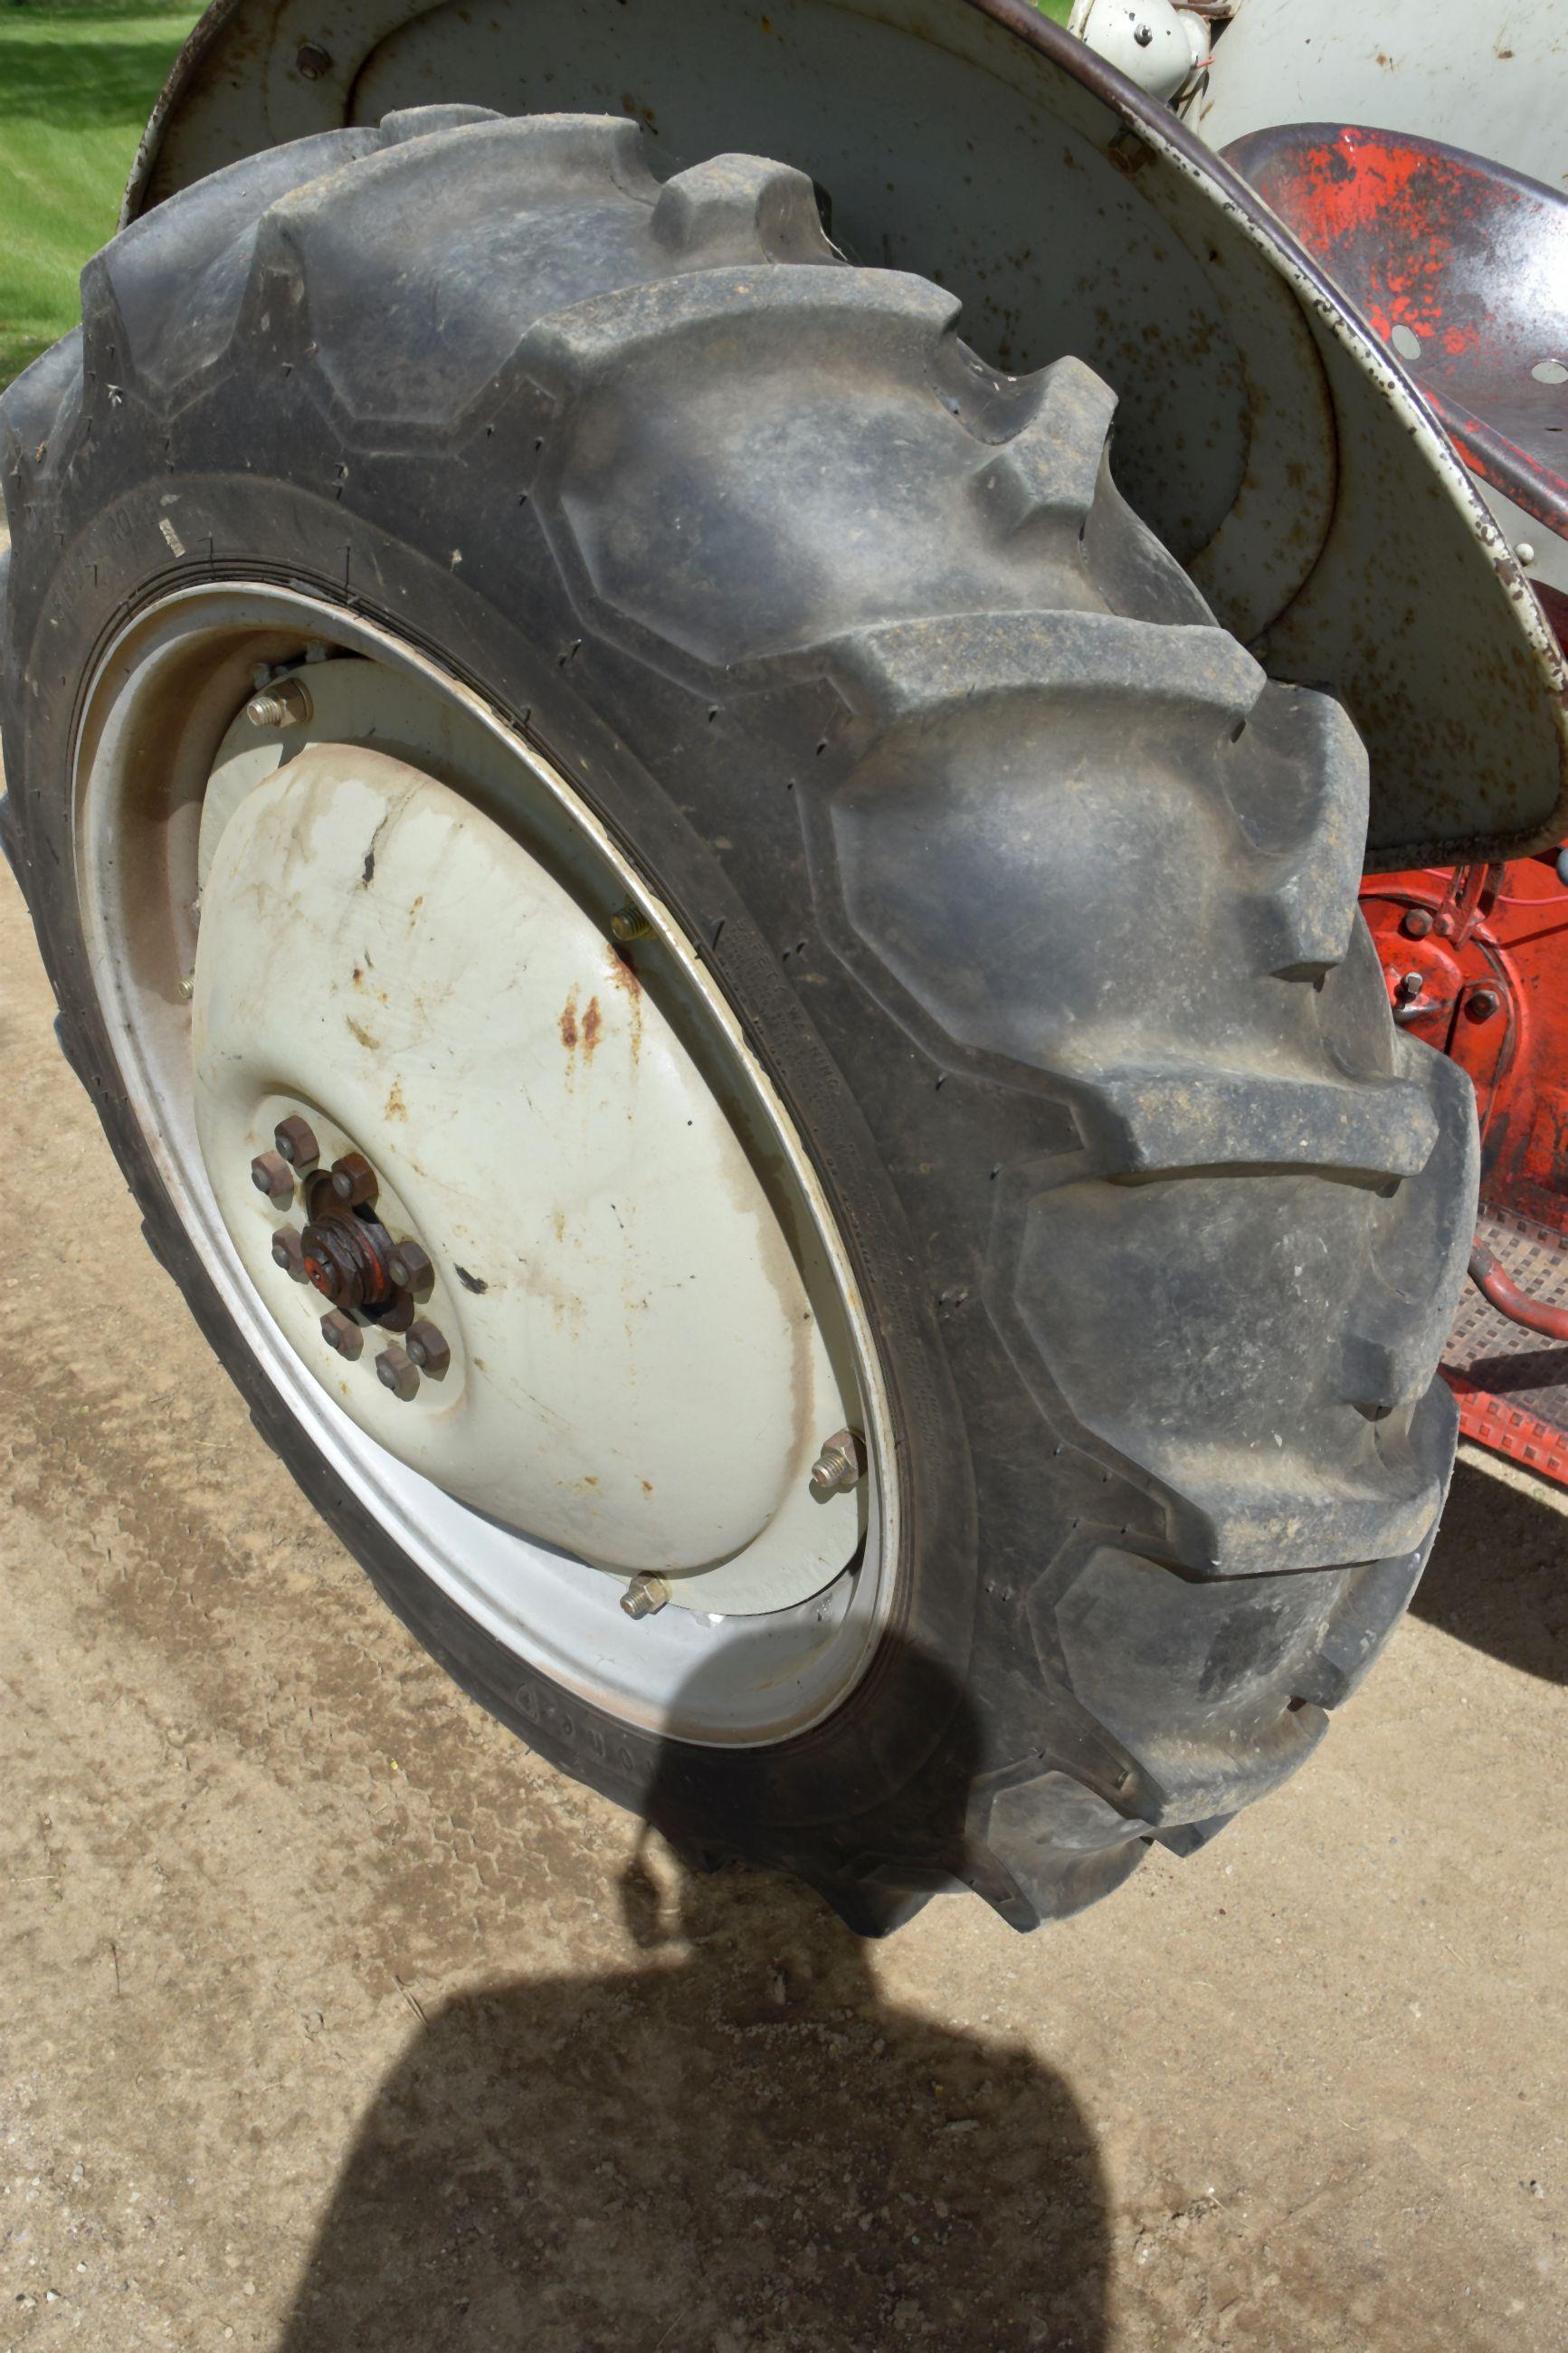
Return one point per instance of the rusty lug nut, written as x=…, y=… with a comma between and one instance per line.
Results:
x=629, y=923
x=410, y=1268
x=296, y=1142
x=840, y=1466
x=1417, y=923
x=287, y=704
x=1481, y=1004
x=311, y=61
x=644, y=1595
x=341, y=1335
x=353, y=1180
x=289, y=1252
x=429, y=1349
x=396, y=1372
x=272, y=1177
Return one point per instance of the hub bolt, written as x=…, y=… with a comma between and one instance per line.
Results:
x=289, y=1252
x=1481, y=1004
x=271, y=1176
x=287, y=704
x=296, y=1142
x=1417, y=923
x=427, y=1346
x=395, y=1372
x=840, y=1466
x=1410, y=984
x=353, y=1180
x=410, y=1268
x=341, y=1335
x=644, y=1595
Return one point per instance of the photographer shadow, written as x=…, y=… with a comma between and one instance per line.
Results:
x=739, y=2144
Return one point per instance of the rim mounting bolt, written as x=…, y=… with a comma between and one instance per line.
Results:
x=628, y=923
x=273, y=1177
x=840, y=1466
x=1417, y=923
x=410, y=1268
x=395, y=1371
x=342, y=1334
x=353, y=1180
x=645, y=1596
x=428, y=1347
x=289, y=1252
x=296, y=1142
x=287, y=704
x=1481, y=1004
x=1410, y=984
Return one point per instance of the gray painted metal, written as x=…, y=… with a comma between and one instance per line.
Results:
x=1494, y=80
x=1281, y=455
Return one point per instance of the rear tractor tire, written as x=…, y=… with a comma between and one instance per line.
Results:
x=613, y=571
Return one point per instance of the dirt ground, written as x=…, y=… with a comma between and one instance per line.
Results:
x=331, y=2019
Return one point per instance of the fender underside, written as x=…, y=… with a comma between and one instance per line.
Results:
x=1262, y=433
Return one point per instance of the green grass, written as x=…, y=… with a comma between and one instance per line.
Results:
x=78, y=79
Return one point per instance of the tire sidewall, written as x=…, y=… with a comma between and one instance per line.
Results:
x=252, y=530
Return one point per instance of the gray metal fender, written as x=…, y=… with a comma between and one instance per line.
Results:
x=1277, y=450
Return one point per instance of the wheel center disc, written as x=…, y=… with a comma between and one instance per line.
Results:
x=639, y=1369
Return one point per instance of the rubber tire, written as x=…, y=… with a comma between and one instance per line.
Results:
x=1038, y=897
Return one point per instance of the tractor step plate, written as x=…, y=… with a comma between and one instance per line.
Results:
x=1512, y=1385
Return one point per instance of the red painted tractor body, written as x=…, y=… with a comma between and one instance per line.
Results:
x=1461, y=265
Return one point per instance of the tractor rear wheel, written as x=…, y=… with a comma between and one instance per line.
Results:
x=743, y=1025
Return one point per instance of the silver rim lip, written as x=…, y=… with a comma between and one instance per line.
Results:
x=793, y=1667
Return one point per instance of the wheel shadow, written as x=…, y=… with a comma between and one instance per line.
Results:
x=1498, y=1578
x=739, y=2143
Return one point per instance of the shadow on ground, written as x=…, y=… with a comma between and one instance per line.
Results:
x=741, y=2144
x=1498, y=1578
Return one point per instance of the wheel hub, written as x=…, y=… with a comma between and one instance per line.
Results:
x=418, y=1040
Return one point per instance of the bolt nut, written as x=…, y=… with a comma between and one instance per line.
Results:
x=1482, y=1003
x=341, y=1335
x=296, y=1142
x=273, y=1177
x=840, y=1466
x=287, y=704
x=644, y=1595
x=311, y=61
x=410, y=1268
x=289, y=1252
x=629, y=923
x=1417, y=923
x=353, y=1180
x=395, y=1372
x=429, y=1349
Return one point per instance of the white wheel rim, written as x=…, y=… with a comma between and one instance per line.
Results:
x=551, y=1598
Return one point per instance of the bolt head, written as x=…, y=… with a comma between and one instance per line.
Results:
x=296, y=1142
x=644, y=1595
x=1482, y=1004
x=395, y=1371
x=839, y=1467
x=410, y=1268
x=1417, y=923
x=285, y=705
x=311, y=61
x=427, y=1346
x=342, y=1335
x=289, y=1252
x=353, y=1180
x=273, y=1177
